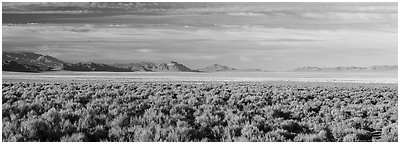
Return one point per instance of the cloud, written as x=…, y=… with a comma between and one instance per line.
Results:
x=79, y=30
x=294, y=40
x=232, y=16
x=350, y=16
x=236, y=9
x=144, y=50
x=246, y=14
x=237, y=34
x=43, y=7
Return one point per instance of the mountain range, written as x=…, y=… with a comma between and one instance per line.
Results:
x=347, y=69
x=33, y=62
x=216, y=67
x=150, y=66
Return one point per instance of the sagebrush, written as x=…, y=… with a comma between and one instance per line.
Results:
x=162, y=111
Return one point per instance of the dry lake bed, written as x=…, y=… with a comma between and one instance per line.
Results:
x=66, y=76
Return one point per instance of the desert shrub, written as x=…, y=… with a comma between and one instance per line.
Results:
x=292, y=126
x=308, y=138
x=36, y=129
x=209, y=111
x=75, y=137
x=390, y=133
x=351, y=137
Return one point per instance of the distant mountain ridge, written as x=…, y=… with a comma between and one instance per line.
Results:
x=43, y=62
x=350, y=68
x=216, y=67
x=14, y=66
x=150, y=66
x=222, y=68
x=32, y=62
x=93, y=67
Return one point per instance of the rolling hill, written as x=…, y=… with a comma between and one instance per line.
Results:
x=216, y=68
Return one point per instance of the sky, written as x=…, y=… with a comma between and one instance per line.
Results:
x=268, y=36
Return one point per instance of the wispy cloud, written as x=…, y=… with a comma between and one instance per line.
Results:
x=315, y=16
x=240, y=9
x=144, y=50
x=270, y=35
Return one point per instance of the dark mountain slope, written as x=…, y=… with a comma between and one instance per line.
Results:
x=14, y=66
x=93, y=67
x=44, y=62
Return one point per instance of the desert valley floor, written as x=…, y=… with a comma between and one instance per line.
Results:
x=182, y=106
x=352, y=77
